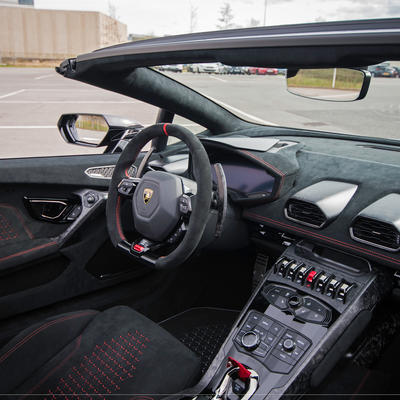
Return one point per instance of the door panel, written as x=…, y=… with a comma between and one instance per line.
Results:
x=42, y=260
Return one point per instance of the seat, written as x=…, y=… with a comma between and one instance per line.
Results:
x=117, y=353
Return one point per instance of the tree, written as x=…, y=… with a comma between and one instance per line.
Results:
x=193, y=17
x=226, y=17
x=112, y=10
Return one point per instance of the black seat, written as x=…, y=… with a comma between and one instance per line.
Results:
x=99, y=355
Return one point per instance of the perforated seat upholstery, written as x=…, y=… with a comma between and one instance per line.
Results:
x=117, y=353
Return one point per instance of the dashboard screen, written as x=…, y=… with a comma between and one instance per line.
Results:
x=246, y=178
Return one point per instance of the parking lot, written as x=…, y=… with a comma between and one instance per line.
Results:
x=32, y=99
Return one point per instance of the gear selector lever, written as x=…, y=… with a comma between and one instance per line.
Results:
x=239, y=382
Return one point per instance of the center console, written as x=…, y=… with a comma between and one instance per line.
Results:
x=298, y=323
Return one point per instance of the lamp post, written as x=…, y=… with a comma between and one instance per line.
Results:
x=265, y=12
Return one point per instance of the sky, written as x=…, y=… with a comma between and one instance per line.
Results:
x=169, y=17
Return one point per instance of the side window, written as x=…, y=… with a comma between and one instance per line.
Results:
x=33, y=99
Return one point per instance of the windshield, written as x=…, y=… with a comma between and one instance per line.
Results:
x=260, y=95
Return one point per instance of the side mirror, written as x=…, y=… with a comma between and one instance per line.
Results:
x=95, y=130
x=329, y=84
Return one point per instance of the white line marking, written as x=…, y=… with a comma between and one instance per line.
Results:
x=44, y=76
x=67, y=102
x=250, y=116
x=216, y=78
x=12, y=93
x=28, y=126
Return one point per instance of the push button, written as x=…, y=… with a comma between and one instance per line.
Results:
x=283, y=266
x=332, y=287
x=343, y=291
x=301, y=275
x=292, y=270
x=311, y=278
x=321, y=282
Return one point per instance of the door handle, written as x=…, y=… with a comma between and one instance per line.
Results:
x=52, y=210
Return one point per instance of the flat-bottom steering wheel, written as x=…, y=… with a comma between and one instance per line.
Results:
x=170, y=212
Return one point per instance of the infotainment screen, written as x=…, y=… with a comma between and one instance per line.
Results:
x=246, y=177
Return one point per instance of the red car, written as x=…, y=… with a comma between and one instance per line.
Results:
x=262, y=71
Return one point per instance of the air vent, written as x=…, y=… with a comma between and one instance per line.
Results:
x=376, y=233
x=107, y=171
x=305, y=213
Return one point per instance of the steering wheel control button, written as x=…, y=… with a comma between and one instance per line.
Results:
x=250, y=340
x=185, y=204
x=127, y=186
x=138, y=248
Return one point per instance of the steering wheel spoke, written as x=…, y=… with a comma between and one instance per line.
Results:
x=127, y=186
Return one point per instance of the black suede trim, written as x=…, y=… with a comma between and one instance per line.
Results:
x=119, y=353
x=34, y=346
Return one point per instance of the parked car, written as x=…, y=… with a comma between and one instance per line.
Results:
x=257, y=259
x=209, y=68
x=172, y=68
x=235, y=70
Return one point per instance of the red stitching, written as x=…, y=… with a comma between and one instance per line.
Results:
x=322, y=237
x=100, y=371
x=120, y=355
x=117, y=211
x=62, y=393
x=78, y=343
x=91, y=374
x=41, y=328
x=7, y=232
x=20, y=217
x=165, y=129
x=80, y=387
x=279, y=172
x=76, y=370
x=20, y=253
x=67, y=386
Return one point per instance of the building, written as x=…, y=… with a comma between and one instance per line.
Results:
x=29, y=34
x=30, y=3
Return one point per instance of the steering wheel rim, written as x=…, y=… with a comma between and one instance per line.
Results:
x=200, y=209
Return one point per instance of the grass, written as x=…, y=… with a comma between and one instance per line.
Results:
x=346, y=79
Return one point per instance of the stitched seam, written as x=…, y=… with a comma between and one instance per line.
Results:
x=276, y=170
x=361, y=384
x=21, y=253
x=40, y=329
x=20, y=217
x=78, y=344
x=326, y=238
x=117, y=212
x=279, y=172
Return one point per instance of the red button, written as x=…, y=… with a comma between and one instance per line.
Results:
x=311, y=276
x=138, y=248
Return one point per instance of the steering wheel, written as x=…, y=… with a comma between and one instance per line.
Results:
x=170, y=212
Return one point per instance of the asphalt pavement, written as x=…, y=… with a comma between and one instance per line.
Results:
x=32, y=100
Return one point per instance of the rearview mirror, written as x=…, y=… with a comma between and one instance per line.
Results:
x=95, y=130
x=329, y=84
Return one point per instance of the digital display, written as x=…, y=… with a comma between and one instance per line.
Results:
x=246, y=178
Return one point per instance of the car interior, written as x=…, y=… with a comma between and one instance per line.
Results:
x=243, y=261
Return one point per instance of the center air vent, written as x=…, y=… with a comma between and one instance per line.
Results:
x=379, y=224
x=305, y=213
x=318, y=204
x=377, y=233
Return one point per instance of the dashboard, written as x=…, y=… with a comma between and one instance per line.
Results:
x=344, y=194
